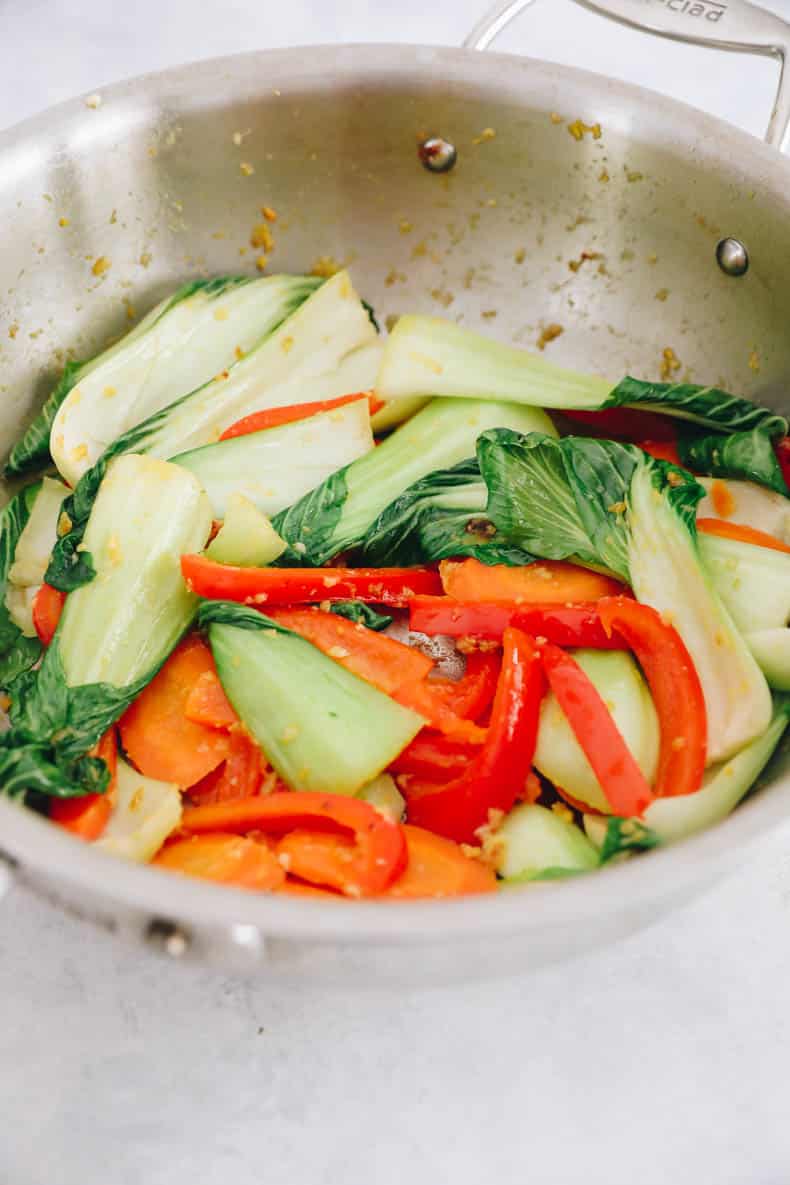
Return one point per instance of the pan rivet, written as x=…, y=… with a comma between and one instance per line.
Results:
x=168, y=938
x=732, y=257
x=437, y=155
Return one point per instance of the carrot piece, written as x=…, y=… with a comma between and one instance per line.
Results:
x=228, y=859
x=87, y=817
x=274, y=417
x=547, y=582
x=239, y=776
x=207, y=703
x=374, y=657
x=437, y=867
x=47, y=607
x=742, y=534
x=156, y=733
x=319, y=857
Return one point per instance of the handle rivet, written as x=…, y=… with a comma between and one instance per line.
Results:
x=437, y=155
x=168, y=938
x=732, y=257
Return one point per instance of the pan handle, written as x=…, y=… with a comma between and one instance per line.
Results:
x=730, y=25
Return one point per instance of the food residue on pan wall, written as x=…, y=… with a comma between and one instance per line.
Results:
x=578, y=129
x=670, y=364
x=549, y=333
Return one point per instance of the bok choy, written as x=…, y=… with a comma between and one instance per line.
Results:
x=276, y=467
x=339, y=514
x=322, y=728
x=114, y=633
x=190, y=337
x=432, y=356
x=612, y=507
x=321, y=352
x=18, y=652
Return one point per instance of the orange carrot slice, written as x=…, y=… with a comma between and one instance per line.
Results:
x=546, y=582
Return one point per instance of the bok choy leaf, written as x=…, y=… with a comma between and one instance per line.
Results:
x=432, y=356
x=611, y=506
x=441, y=516
x=183, y=343
x=114, y=633
x=339, y=514
x=17, y=652
x=748, y=455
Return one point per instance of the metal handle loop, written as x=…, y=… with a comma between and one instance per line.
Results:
x=732, y=25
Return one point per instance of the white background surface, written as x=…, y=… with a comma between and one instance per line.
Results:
x=663, y=1060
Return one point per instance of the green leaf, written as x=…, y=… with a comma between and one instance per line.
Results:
x=240, y=616
x=33, y=447
x=570, y=498
x=53, y=727
x=309, y=525
x=626, y=835
x=748, y=456
x=17, y=653
x=32, y=770
x=361, y=614
x=709, y=406
x=441, y=516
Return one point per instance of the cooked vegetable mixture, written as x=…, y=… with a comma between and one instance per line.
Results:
x=293, y=608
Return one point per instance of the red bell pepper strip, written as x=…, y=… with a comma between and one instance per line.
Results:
x=379, y=852
x=621, y=779
x=663, y=450
x=625, y=423
x=782, y=450
x=565, y=625
x=470, y=695
x=265, y=587
x=676, y=690
x=240, y=774
x=496, y=778
x=47, y=607
x=274, y=417
x=87, y=816
x=433, y=757
x=742, y=534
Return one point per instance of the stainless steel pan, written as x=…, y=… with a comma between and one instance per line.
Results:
x=164, y=176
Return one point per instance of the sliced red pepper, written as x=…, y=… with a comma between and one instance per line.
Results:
x=621, y=779
x=47, y=607
x=433, y=757
x=379, y=852
x=264, y=587
x=496, y=778
x=88, y=816
x=625, y=423
x=565, y=625
x=676, y=690
x=782, y=450
x=663, y=450
x=274, y=417
x=740, y=533
x=240, y=774
x=470, y=695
